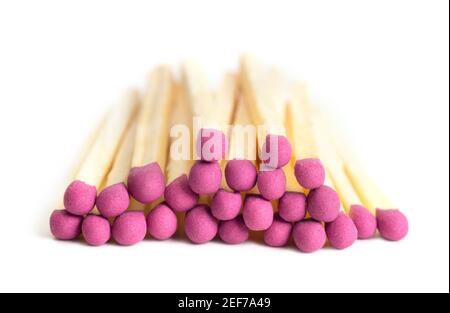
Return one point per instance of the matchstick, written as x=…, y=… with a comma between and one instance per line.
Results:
x=364, y=221
x=178, y=193
x=341, y=232
x=292, y=206
x=323, y=202
x=146, y=181
x=241, y=176
x=240, y=171
x=265, y=93
x=80, y=196
x=63, y=225
x=309, y=170
x=391, y=222
x=213, y=113
x=114, y=199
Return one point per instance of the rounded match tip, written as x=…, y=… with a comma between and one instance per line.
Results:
x=146, y=183
x=96, y=230
x=257, y=213
x=365, y=222
x=292, y=207
x=272, y=184
x=278, y=234
x=309, y=236
x=226, y=205
x=323, y=204
x=113, y=200
x=342, y=232
x=310, y=173
x=205, y=177
x=234, y=231
x=161, y=222
x=79, y=198
x=278, y=150
x=129, y=228
x=65, y=226
x=241, y=175
x=179, y=196
x=213, y=145
x=200, y=225
x=392, y=224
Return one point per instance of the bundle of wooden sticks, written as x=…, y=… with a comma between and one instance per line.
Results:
x=264, y=160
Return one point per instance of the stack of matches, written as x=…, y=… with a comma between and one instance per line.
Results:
x=278, y=173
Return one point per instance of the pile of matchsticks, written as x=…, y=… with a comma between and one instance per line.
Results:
x=264, y=162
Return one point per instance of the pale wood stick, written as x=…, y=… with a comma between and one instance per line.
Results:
x=152, y=133
x=243, y=135
x=101, y=155
x=334, y=165
x=181, y=117
x=301, y=131
x=368, y=191
x=124, y=156
x=84, y=151
x=265, y=92
x=242, y=143
x=199, y=95
x=212, y=110
x=225, y=101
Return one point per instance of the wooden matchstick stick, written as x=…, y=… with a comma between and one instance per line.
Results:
x=114, y=199
x=392, y=223
x=213, y=112
x=80, y=196
x=309, y=170
x=178, y=194
x=240, y=170
x=146, y=181
x=63, y=225
x=265, y=93
x=323, y=202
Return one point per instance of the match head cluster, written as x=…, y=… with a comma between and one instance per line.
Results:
x=309, y=220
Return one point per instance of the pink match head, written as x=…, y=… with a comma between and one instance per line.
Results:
x=233, y=231
x=129, y=228
x=392, y=224
x=241, y=175
x=278, y=234
x=342, y=232
x=146, y=183
x=309, y=236
x=212, y=144
x=272, y=184
x=205, y=177
x=179, y=195
x=65, y=226
x=79, y=198
x=226, y=205
x=323, y=204
x=257, y=213
x=199, y=225
x=292, y=206
x=276, y=151
x=310, y=173
x=365, y=222
x=113, y=200
x=162, y=222
x=96, y=230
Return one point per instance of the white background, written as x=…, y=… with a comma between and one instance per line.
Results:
x=380, y=67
